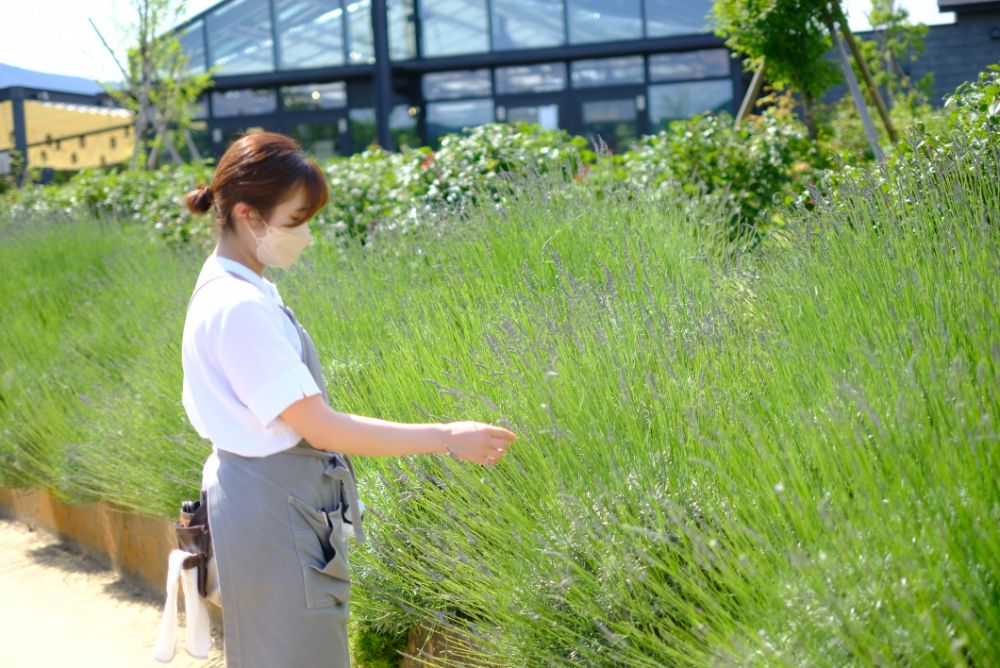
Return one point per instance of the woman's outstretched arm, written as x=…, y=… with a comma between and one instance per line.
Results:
x=326, y=429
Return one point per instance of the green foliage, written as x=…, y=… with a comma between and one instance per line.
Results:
x=779, y=458
x=964, y=136
x=720, y=462
x=374, y=648
x=974, y=107
x=379, y=189
x=150, y=199
x=749, y=168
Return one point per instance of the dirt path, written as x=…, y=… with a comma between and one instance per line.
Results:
x=59, y=607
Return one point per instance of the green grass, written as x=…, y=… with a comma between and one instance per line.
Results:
x=787, y=458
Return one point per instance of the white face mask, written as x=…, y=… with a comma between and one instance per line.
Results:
x=280, y=246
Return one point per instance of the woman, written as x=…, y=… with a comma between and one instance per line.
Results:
x=279, y=485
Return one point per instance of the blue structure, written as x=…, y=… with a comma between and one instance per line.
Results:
x=340, y=74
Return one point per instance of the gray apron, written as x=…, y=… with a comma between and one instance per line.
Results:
x=278, y=533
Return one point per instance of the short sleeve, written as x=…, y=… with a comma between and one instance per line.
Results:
x=259, y=361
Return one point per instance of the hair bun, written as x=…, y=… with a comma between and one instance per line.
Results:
x=200, y=200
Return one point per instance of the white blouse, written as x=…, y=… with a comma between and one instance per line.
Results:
x=242, y=362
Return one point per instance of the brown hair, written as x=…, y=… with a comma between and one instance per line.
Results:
x=261, y=169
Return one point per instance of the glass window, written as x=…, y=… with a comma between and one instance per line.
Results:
x=244, y=102
x=668, y=102
x=545, y=115
x=677, y=17
x=360, y=40
x=403, y=126
x=691, y=65
x=193, y=42
x=239, y=37
x=527, y=24
x=317, y=139
x=462, y=83
x=315, y=96
x=362, y=128
x=543, y=78
x=604, y=20
x=402, y=30
x=310, y=33
x=451, y=27
x=448, y=117
x=614, y=121
x=607, y=72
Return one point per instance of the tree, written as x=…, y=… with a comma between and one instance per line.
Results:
x=155, y=82
x=791, y=36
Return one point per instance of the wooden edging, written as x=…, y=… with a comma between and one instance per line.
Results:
x=133, y=544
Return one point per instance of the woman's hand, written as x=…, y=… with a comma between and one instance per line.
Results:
x=477, y=442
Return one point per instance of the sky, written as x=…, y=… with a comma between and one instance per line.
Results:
x=55, y=36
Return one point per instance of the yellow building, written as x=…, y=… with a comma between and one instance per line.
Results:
x=60, y=122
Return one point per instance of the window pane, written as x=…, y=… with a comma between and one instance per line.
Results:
x=545, y=115
x=403, y=126
x=446, y=117
x=527, y=24
x=310, y=33
x=691, y=65
x=361, y=42
x=604, y=20
x=239, y=37
x=318, y=139
x=668, y=102
x=677, y=17
x=193, y=42
x=450, y=27
x=463, y=83
x=607, y=72
x=244, y=102
x=614, y=121
x=402, y=30
x=362, y=128
x=531, y=78
x=315, y=96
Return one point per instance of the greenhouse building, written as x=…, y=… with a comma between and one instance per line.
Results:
x=339, y=75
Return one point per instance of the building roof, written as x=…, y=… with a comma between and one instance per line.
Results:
x=961, y=6
x=18, y=76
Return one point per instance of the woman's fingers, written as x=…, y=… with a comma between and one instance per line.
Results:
x=500, y=432
x=498, y=443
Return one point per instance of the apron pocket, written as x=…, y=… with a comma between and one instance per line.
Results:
x=322, y=552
